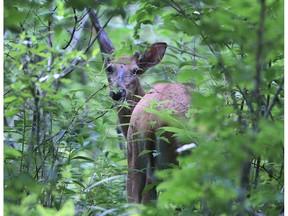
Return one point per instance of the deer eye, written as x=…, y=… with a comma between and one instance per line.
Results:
x=110, y=68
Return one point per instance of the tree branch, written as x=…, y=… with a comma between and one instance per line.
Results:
x=74, y=63
x=105, y=43
x=259, y=58
x=97, y=36
x=78, y=60
x=50, y=40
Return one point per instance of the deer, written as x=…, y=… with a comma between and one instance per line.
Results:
x=136, y=122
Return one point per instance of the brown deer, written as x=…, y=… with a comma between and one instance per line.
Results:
x=139, y=126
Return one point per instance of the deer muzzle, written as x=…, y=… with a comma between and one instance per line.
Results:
x=119, y=95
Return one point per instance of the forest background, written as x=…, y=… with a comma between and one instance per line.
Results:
x=62, y=152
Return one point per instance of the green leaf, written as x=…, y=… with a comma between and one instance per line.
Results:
x=67, y=209
x=83, y=158
x=78, y=183
x=11, y=112
x=149, y=187
x=11, y=153
x=10, y=99
x=144, y=152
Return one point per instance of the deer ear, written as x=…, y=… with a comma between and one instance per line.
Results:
x=153, y=56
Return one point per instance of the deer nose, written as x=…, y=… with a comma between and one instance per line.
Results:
x=117, y=96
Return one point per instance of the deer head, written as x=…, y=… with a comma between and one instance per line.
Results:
x=123, y=74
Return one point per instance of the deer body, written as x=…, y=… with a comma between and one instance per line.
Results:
x=140, y=127
x=142, y=136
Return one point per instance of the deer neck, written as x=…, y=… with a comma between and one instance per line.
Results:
x=124, y=113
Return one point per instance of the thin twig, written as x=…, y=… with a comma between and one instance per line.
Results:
x=244, y=95
x=10, y=56
x=39, y=19
x=281, y=171
x=80, y=107
x=256, y=180
x=7, y=92
x=273, y=102
x=73, y=31
x=268, y=172
x=98, y=117
x=97, y=36
x=77, y=110
x=194, y=54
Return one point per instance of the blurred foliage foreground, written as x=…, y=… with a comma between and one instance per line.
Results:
x=61, y=152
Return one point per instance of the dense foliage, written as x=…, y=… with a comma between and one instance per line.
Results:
x=62, y=154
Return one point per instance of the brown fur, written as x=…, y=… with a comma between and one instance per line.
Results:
x=141, y=136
